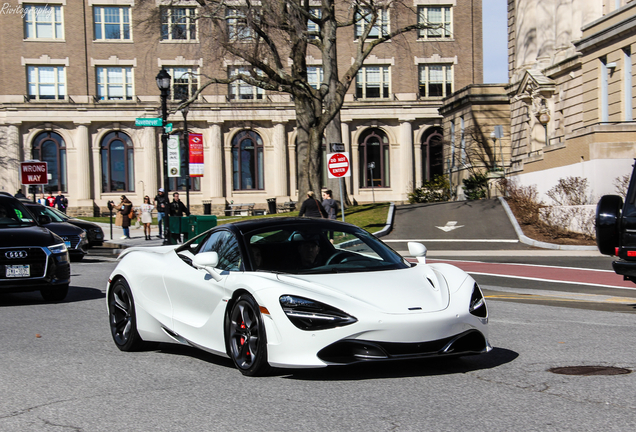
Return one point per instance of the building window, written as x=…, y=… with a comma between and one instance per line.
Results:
x=373, y=82
x=184, y=82
x=314, y=76
x=50, y=147
x=240, y=90
x=313, y=29
x=604, y=90
x=247, y=161
x=439, y=20
x=462, y=141
x=379, y=29
x=627, y=84
x=46, y=82
x=180, y=183
x=238, y=28
x=452, y=144
x=435, y=81
x=114, y=83
x=112, y=23
x=117, y=153
x=178, y=23
x=373, y=150
x=43, y=22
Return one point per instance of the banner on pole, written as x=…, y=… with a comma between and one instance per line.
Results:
x=174, y=159
x=196, y=154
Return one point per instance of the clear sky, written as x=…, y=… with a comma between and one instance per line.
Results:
x=495, y=23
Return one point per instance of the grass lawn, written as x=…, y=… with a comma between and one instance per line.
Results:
x=371, y=217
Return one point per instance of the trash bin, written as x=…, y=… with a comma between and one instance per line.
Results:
x=271, y=205
x=179, y=226
x=199, y=224
x=207, y=207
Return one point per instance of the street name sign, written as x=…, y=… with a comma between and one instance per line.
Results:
x=148, y=122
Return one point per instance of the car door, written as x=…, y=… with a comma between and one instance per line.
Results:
x=198, y=299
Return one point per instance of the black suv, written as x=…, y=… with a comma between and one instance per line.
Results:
x=616, y=229
x=32, y=258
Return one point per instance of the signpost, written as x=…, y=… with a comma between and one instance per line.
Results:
x=338, y=167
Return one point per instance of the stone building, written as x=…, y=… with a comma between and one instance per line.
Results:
x=571, y=91
x=77, y=74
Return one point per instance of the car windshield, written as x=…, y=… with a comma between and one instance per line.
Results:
x=40, y=210
x=317, y=250
x=58, y=213
x=13, y=214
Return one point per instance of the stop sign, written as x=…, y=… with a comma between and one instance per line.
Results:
x=34, y=173
x=338, y=165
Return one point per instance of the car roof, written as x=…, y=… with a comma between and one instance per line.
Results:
x=252, y=224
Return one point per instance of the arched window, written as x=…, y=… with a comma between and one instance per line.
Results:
x=373, y=152
x=247, y=161
x=50, y=147
x=118, y=174
x=179, y=183
x=432, y=154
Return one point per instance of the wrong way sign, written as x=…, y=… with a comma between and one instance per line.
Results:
x=338, y=165
x=34, y=173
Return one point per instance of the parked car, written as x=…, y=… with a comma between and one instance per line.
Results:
x=32, y=258
x=93, y=231
x=295, y=293
x=616, y=229
x=74, y=237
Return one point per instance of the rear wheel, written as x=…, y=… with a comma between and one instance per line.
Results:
x=123, y=323
x=55, y=293
x=608, y=212
x=245, y=334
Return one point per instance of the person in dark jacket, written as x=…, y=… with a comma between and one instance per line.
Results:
x=329, y=204
x=311, y=207
x=125, y=208
x=177, y=208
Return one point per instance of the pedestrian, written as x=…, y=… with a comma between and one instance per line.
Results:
x=60, y=202
x=161, y=204
x=125, y=209
x=19, y=194
x=330, y=205
x=177, y=209
x=146, y=216
x=50, y=200
x=42, y=200
x=311, y=207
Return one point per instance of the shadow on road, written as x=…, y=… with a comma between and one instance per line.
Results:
x=75, y=294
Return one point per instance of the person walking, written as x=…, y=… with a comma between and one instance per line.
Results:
x=177, y=209
x=311, y=207
x=146, y=216
x=330, y=205
x=42, y=200
x=19, y=194
x=161, y=204
x=60, y=202
x=125, y=209
x=50, y=200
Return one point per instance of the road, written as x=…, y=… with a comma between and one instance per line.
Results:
x=61, y=371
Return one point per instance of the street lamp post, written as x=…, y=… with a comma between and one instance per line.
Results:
x=371, y=165
x=186, y=140
x=163, y=82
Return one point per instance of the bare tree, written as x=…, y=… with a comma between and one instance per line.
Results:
x=273, y=38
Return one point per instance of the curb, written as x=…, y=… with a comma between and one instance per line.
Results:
x=389, y=223
x=528, y=241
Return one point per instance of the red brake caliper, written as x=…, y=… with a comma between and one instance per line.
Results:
x=242, y=338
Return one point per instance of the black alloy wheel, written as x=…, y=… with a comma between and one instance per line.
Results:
x=247, y=343
x=123, y=324
x=55, y=293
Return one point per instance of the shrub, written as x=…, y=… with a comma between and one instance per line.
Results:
x=435, y=190
x=525, y=199
x=476, y=186
x=570, y=191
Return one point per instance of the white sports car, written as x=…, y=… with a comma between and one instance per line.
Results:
x=295, y=293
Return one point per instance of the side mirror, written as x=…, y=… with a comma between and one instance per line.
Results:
x=208, y=262
x=44, y=219
x=418, y=250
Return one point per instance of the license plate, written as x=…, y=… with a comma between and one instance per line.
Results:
x=18, y=271
x=68, y=244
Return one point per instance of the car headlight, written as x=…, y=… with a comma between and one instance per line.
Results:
x=58, y=248
x=309, y=314
x=477, y=305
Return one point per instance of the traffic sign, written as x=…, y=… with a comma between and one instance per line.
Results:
x=34, y=173
x=338, y=165
x=168, y=128
x=148, y=122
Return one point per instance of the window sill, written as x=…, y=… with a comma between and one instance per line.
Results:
x=117, y=41
x=44, y=40
x=179, y=41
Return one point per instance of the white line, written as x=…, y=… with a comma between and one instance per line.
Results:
x=527, y=265
x=454, y=241
x=551, y=280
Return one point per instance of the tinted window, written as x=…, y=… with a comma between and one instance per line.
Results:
x=224, y=243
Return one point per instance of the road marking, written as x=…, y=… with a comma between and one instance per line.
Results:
x=454, y=241
x=450, y=226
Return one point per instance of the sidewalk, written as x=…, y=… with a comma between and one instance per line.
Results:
x=115, y=245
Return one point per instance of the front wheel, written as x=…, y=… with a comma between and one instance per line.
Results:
x=123, y=323
x=245, y=333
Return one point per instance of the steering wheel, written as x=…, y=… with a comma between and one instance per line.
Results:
x=333, y=257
